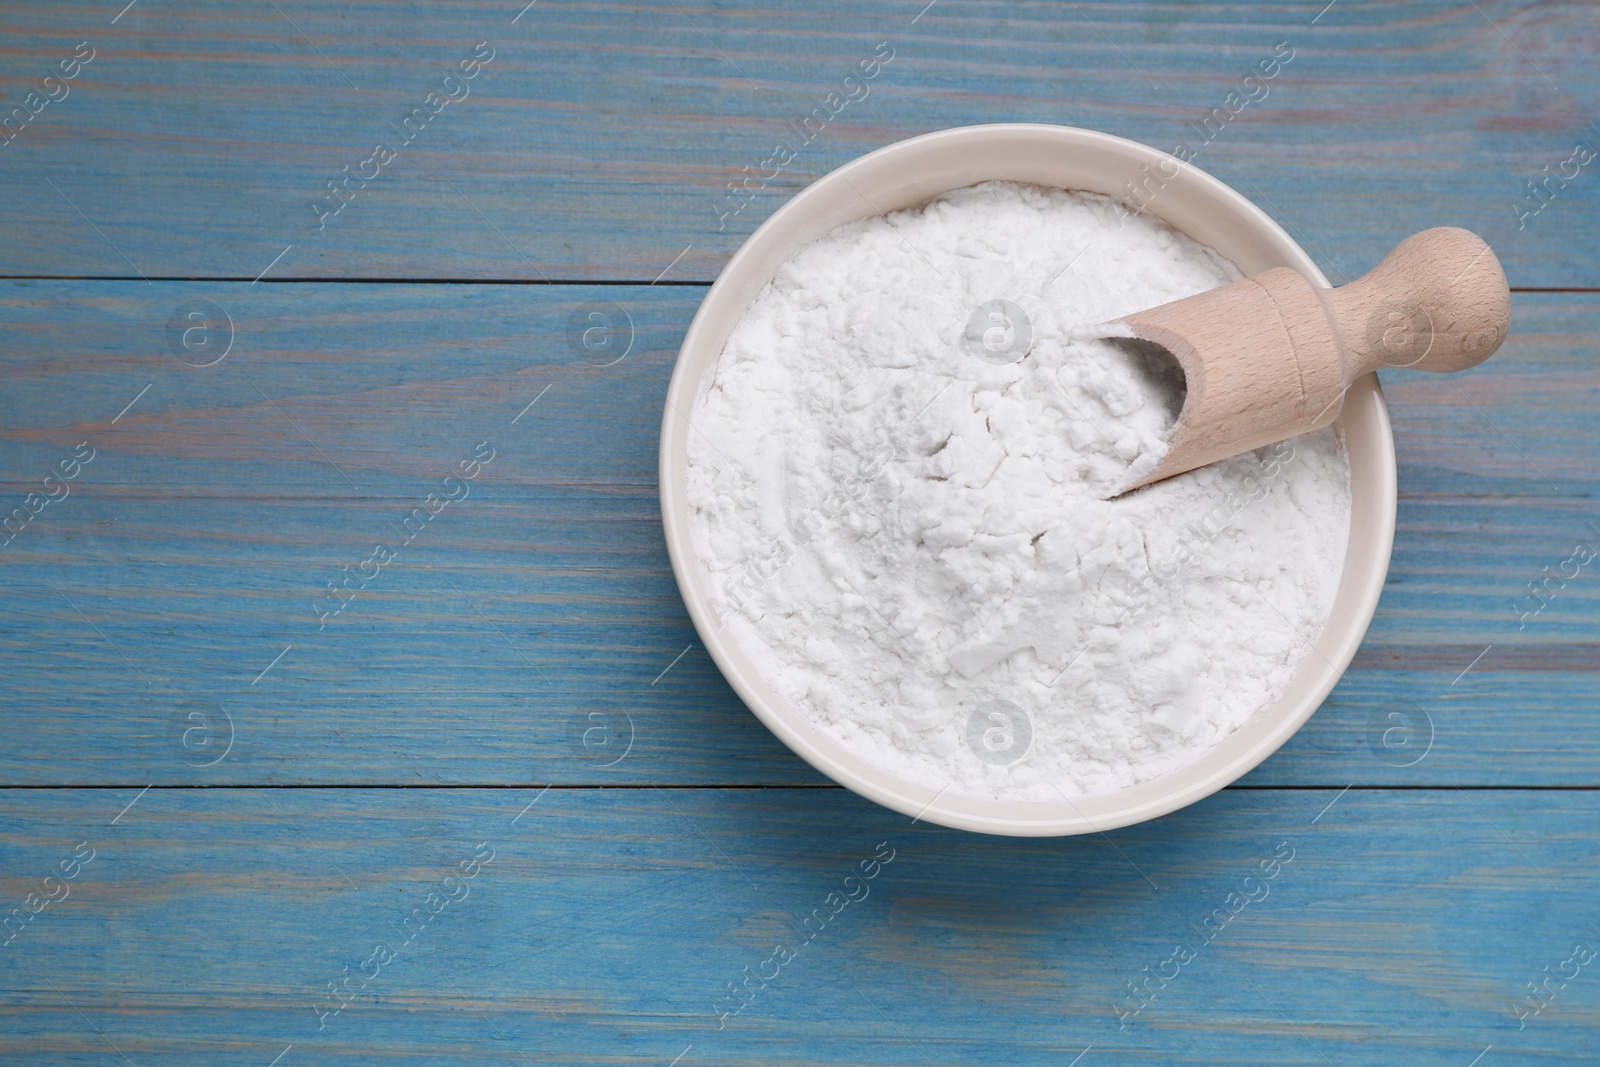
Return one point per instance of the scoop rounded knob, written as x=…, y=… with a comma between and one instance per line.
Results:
x=1438, y=302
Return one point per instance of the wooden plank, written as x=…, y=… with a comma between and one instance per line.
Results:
x=1395, y=927
x=599, y=141
x=524, y=635
x=196, y=546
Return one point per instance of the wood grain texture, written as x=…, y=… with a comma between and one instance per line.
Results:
x=542, y=599
x=541, y=611
x=1401, y=929
x=160, y=622
x=599, y=141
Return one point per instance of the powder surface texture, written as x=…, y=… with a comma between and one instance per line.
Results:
x=898, y=472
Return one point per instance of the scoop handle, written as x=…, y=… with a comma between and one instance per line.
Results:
x=1438, y=302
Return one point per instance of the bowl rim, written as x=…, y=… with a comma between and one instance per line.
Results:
x=1190, y=782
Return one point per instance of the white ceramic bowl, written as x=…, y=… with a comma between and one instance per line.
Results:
x=909, y=173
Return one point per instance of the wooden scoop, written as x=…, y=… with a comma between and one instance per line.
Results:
x=1271, y=357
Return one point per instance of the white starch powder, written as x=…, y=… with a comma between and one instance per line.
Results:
x=897, y=479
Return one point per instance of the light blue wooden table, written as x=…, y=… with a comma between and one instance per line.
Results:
x=508, y=761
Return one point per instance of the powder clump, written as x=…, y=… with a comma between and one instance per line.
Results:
x=898, y=472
